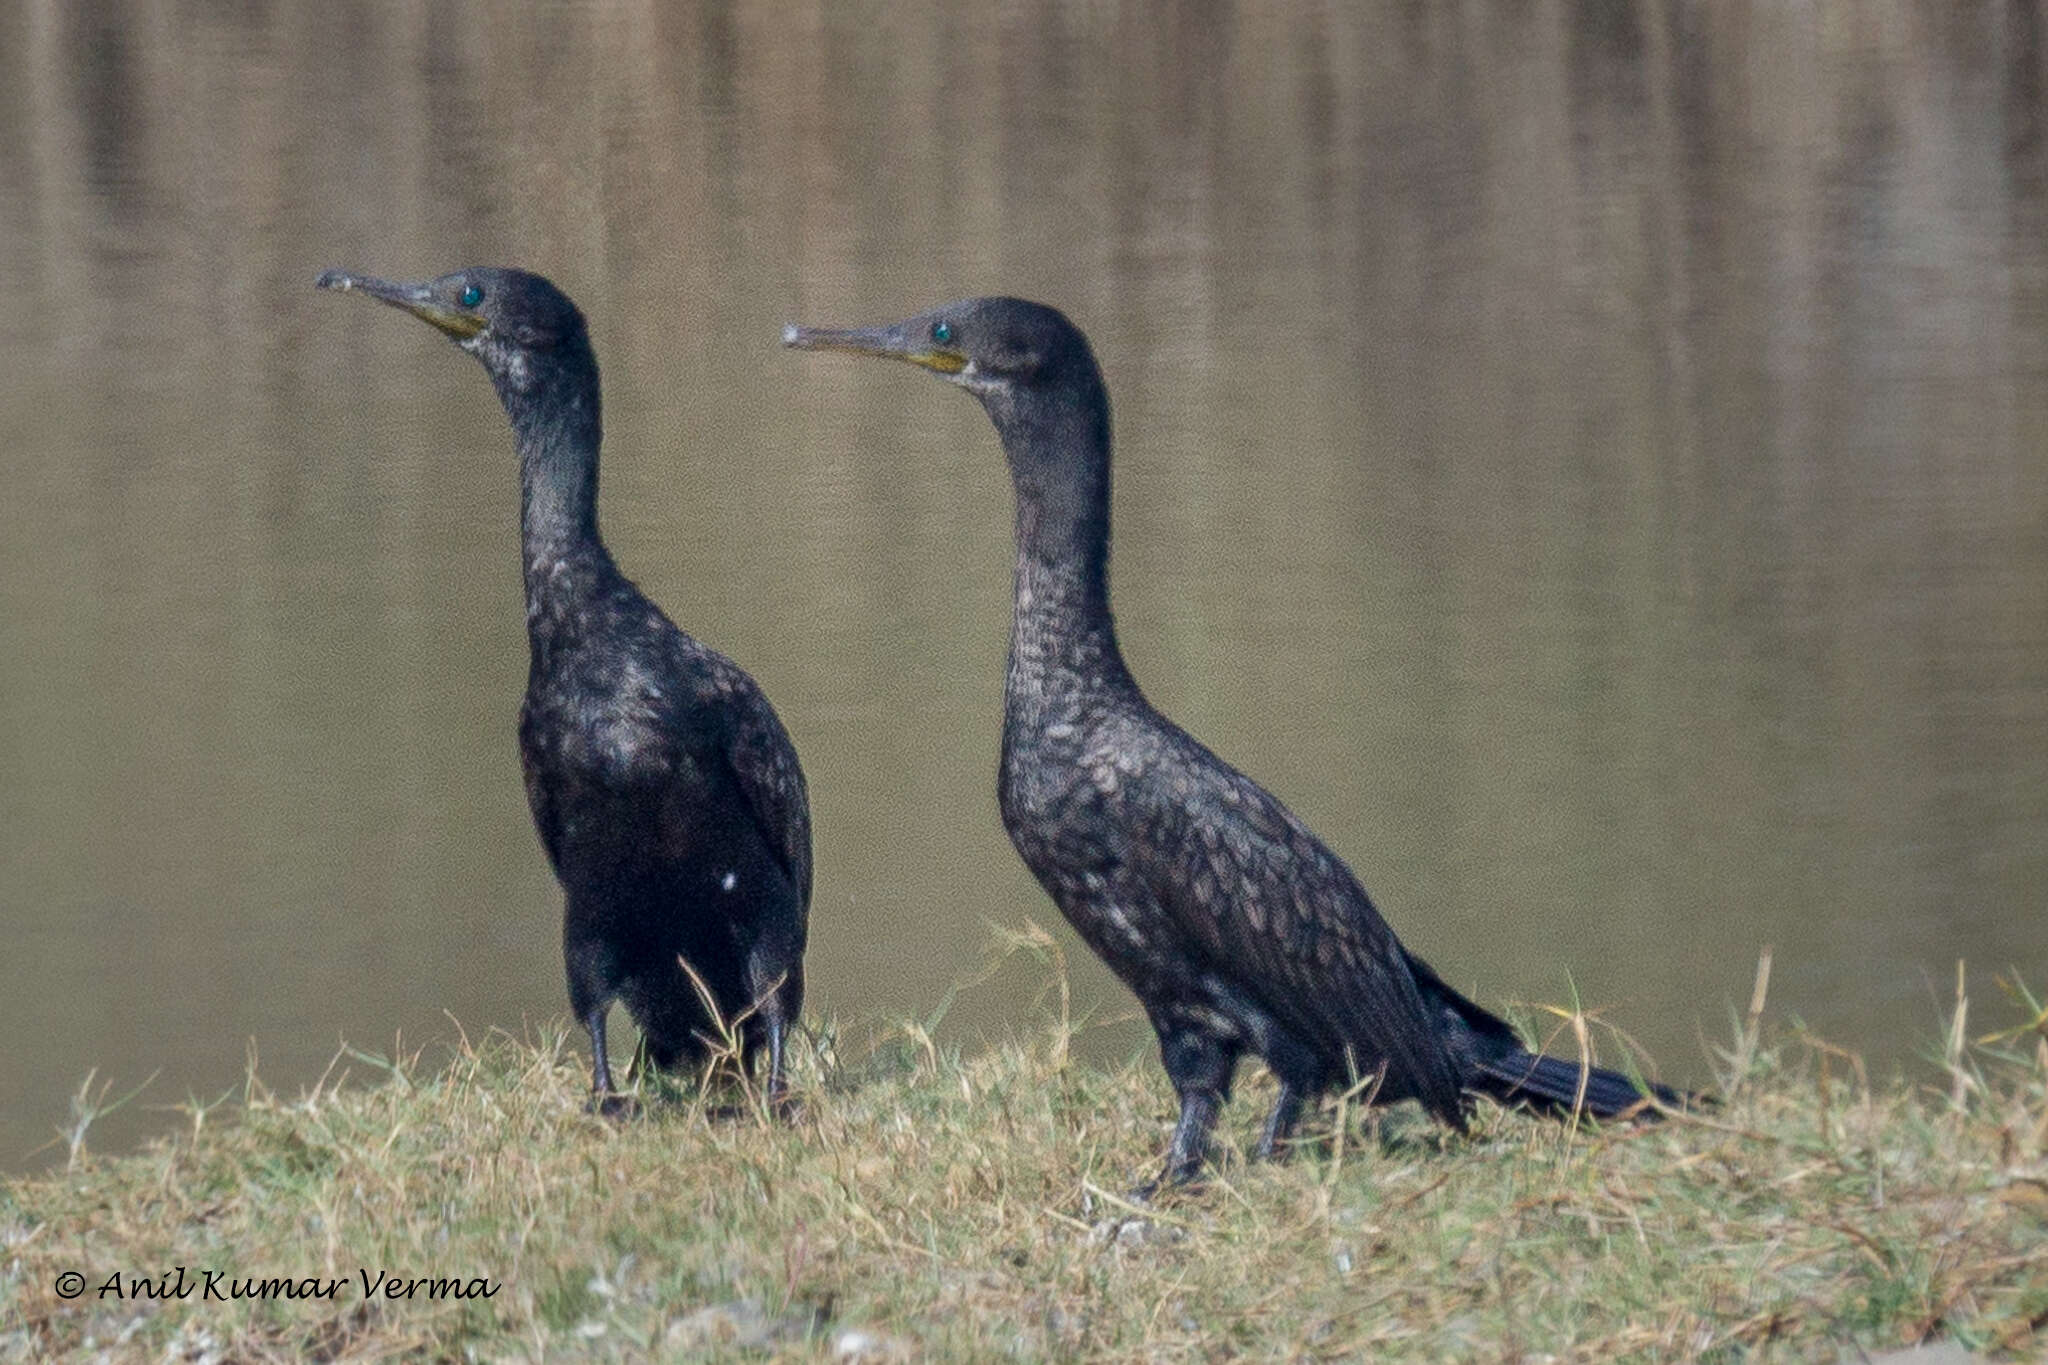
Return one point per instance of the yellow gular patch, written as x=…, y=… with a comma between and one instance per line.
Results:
x=945, y=362
x=453, y=321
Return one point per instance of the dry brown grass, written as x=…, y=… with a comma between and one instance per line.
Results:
x=928, y=1205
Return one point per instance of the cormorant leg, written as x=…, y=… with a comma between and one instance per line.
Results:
x=603, y=1098
x=778, y=995
x=1280, y=1123
x=1294, y=1064
x=1200, y=1068
x=778, y=1084
x=600, y=1060
x=1190, y=1145
x=591, y=984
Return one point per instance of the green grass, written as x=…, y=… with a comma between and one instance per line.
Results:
x=930, y=1205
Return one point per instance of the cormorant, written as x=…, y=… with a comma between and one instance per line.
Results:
x=1234, y=925
x=667, y=793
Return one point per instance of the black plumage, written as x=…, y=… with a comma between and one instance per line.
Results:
x=1234, y=925
x=667, y=793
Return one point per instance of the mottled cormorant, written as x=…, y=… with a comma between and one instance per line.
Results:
x=666, y=792
x=1237, y=929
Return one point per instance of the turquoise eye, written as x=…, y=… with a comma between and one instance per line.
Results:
x=942, y=332
x=471, y=295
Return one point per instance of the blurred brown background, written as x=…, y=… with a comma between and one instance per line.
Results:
x=1589, y=459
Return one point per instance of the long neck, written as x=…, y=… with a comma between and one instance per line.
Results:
x=1063, y=646
x=554, y=407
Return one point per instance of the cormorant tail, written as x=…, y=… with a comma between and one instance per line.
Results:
x=1501, y=1067
x=1551, y=1084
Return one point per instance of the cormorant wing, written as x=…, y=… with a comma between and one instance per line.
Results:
x=1284, y=920
x=764, y=764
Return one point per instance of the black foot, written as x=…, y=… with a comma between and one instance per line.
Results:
x=786, y=1110
x=614, y=1106
x=1189, y=1181
x=729, y=1113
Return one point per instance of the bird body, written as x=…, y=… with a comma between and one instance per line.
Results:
x=632, y=736
x=666, y=793
x=1237, y=929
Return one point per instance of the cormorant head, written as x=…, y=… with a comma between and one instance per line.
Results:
x=1030, y=367
x=514, y=321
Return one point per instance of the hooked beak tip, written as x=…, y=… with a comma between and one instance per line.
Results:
x=417, y=299
x=887, y=342
x=798, y=337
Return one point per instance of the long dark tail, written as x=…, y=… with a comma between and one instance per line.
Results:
x=1551, y=1084
x=1501, y=1067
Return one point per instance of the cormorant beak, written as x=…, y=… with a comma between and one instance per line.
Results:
x=417, y=299
x=893, y=341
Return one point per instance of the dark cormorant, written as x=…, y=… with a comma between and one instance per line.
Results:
x=1238, y=930
x=666, y=792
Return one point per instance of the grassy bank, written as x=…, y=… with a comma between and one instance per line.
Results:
x=931, y=1206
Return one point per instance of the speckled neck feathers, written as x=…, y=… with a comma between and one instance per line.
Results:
x=552, y=399
x=1063, y=648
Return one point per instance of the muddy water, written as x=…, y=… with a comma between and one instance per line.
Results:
x=1590, y=462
